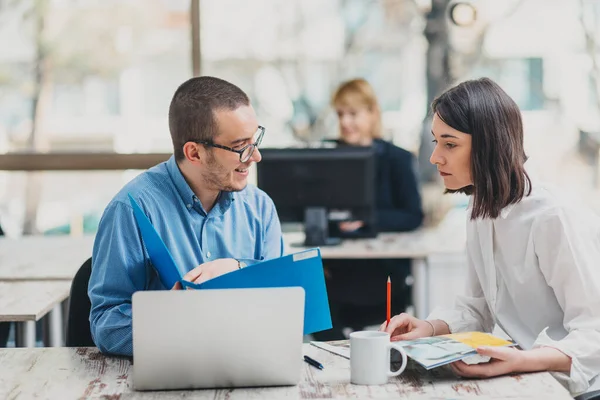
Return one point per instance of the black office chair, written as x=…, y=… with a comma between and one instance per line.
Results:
x=595, y=395
x=4, y=331
x=78, y=320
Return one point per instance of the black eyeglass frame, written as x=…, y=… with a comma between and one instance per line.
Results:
x=240, y=151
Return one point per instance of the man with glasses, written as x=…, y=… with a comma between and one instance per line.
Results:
x=199, y=202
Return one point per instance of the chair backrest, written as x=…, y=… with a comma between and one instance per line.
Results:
x=78, y=321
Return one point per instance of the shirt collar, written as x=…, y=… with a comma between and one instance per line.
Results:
x=187, y=194
x=184, y=190
x=528, y=186
x=506, y=210
x=223, y=202
x=379, y=146
x=503, y=213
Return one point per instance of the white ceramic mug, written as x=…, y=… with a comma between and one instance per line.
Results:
x=370, y=358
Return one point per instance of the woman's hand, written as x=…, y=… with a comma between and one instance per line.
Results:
x=504, y=360
x=351, y=226
x=406, y=327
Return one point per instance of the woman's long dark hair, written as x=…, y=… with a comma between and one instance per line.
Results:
x=482, y=109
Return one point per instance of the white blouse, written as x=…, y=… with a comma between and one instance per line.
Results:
x=535, y=271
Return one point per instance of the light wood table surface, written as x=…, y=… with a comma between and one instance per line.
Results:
x=84, y=373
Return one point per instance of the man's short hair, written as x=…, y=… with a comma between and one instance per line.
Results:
x=192, y=110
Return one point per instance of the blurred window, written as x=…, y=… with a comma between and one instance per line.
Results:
x=522, y=78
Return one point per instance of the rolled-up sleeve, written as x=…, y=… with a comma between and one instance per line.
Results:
x=470, y=311
x=569, y=258
x=118, y=271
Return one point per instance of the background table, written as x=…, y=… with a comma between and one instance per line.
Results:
x=26, y=302
x=43, y=257
x=448, y=238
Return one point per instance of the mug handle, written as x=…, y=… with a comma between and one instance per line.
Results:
x=395, y=346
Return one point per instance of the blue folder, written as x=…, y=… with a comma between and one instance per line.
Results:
x=304, y=269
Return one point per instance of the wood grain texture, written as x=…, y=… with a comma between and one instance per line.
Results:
x=449, y=237
x=43, y=257
x=31, y=300
x=84, y=373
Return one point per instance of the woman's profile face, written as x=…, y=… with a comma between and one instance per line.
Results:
x=356, y=124
x=451, y=155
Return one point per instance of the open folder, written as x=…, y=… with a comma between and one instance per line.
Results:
x=304, y=269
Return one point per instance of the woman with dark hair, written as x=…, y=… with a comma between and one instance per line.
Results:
x=532, y=259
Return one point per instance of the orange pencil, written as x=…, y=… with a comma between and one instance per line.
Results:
x=389, y=301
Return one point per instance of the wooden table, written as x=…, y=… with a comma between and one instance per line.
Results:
x=43, y=257
x=26, y=302
x=449, y=237
x=84, y=373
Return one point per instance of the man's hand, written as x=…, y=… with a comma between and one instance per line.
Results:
x=351, y=226
x=209, y=270
x=504, y=360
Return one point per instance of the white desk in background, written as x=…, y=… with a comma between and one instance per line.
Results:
x=59, y=257
x=38, y=262
x=449, y=237
x=84, y=373
x=26, y=302
x=43, y=257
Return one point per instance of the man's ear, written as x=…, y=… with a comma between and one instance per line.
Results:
x=193, y=152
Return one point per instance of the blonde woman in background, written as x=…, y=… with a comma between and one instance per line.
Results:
x=356, y=287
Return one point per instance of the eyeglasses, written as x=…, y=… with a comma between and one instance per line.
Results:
x=246, y=151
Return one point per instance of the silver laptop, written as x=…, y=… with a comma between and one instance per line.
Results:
x=217, y=338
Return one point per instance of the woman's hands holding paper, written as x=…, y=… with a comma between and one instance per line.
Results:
x=209, y=270
x=506, y=360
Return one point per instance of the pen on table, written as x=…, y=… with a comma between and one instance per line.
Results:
x=312, y=362
x=389, y=302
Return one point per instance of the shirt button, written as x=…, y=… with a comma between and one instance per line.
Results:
x=208, y=254
x=189, y=206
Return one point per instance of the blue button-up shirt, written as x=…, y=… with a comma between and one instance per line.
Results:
x=241, y=225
